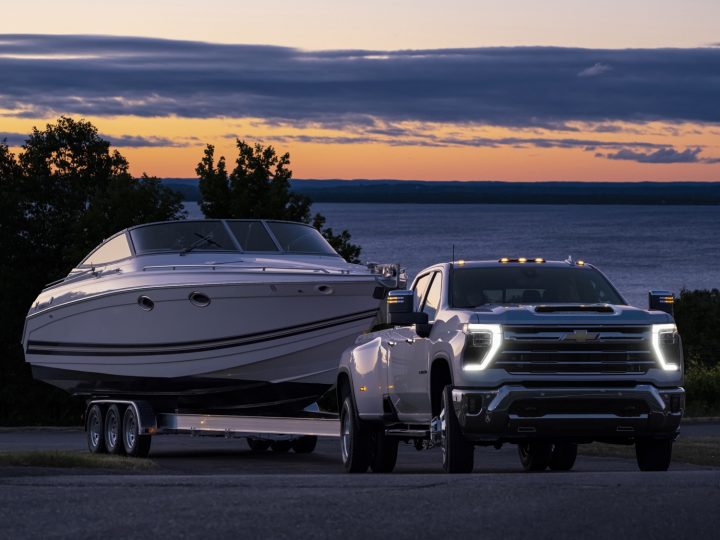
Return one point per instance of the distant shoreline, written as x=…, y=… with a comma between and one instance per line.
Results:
x=453, y=192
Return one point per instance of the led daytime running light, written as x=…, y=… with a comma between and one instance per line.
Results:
x=658, y=329
x=495, y=330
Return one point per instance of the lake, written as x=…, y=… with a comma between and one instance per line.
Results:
x=638, y=247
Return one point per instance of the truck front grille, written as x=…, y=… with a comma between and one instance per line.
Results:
x=576, y=350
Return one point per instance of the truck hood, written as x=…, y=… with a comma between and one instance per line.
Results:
x=565, y=314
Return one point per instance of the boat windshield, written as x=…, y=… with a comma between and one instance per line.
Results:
x=474, y=287
x=298, y=238
x=182, y=236
x=211, y=235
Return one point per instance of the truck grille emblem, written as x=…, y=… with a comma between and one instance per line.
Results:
x=580, y=336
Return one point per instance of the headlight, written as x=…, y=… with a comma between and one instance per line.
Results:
x=481, y=345
x=666, y=344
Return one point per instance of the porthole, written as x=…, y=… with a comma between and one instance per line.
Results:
x=199, y=299
x=145, y=303
x=324, y=289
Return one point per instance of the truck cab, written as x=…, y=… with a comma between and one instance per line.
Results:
x=543, y=354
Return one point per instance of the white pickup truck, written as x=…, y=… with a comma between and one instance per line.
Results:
x=545, y=355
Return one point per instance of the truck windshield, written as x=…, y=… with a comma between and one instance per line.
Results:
x=534, y=284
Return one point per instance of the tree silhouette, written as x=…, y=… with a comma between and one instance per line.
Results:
x=259, y=187
x=61, y=196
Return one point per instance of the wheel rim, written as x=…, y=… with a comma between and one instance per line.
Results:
x=112, y=435
x=345, y=436
x=524, y=450
x=95, y=430
x=443, y=434
x=130, y=431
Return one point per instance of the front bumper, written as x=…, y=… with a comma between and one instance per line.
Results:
x=517, y=412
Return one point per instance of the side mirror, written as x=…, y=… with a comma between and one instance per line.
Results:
x=661, y=301
x=400, y=309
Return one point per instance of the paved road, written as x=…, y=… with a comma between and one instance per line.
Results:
x=215, y=488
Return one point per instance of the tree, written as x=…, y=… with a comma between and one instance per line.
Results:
x=63, y=194
x=259, y=187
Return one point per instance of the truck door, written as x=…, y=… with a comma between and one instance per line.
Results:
x=408, y=378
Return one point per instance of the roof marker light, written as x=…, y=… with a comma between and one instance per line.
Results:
x=522, y=260
x=539, y=260
x=461, y=262
x=581, y=263
x=504, y=260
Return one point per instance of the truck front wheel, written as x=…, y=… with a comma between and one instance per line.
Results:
x=354, y=439
x=535, y=456
x=653, y=455
x=457, y=453
x=383, y=452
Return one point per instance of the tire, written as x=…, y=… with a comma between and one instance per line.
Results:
x=94, y=430
x=458, y=454
x=383, y=452
x=653, y=454
x=281, y=447
x=258, y=445
x=113, y=431
x=304, y=445
x=135, y=445
x=563, y=457
x=354, y=439
x=535, y=456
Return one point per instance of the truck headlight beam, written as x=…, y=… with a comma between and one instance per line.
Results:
x=496, y=335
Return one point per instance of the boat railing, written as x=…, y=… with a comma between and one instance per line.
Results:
x=248, y=269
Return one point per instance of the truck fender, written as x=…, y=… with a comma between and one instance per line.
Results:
x=365, y=367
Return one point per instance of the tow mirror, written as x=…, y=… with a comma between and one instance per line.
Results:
x=661, y=301
x=400, y=309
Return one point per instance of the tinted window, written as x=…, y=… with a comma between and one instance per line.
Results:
x=297, y=238
x=181, y=236
x=432, y=300
x=420, y=287
x=252, y=236
x=531, y=285
x=112, y=250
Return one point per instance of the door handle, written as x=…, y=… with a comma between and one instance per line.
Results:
x=410, y=341
x=392, y=343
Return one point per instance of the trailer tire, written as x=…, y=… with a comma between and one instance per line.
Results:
x=354, y=439
x=94, y=430
x=304, y=445
x=535, y=456
x=281, y=447
x=458, y=454
x=258, y=445
x=113, y=431
x=383, y=452
x=135, y=444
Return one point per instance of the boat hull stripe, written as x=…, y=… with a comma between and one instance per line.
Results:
x=118, y=349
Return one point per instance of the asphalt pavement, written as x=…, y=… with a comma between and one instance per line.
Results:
x=217, y=488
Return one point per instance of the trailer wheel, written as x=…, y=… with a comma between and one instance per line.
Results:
x=94, y=430
x=113, y=431
x=354, y=439
x=535, y=456
x=258, y=445
x=304, y=445
x=281, y=447
x=563, y=456
x=653, y=455
x=383, y=452
x=458, y=454
x=135, y=445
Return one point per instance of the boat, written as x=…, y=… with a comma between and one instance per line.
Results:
x=226, y=316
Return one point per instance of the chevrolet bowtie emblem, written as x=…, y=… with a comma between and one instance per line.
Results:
x=580, y=336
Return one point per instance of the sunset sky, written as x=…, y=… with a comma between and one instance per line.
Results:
x=453, y=90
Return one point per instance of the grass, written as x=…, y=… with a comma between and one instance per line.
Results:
x=73, y=460
x=695, y=450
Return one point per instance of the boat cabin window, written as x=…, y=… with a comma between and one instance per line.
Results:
x=182, y=236
x=297, y=238
x=252, y=236
x=113, y=250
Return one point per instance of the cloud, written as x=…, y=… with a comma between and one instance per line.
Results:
x=12, y=139
x=513, y=86
x=122, y=141
x=661, y=155
x=595, y=70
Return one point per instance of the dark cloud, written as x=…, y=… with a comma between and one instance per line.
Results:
x=515, y=86
x=12, y=139
x=661, y=155
x=123, y=141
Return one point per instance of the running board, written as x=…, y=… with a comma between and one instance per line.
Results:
x=230, y=425
x=408, y=433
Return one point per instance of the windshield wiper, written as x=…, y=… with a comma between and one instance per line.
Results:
x=202, y=239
